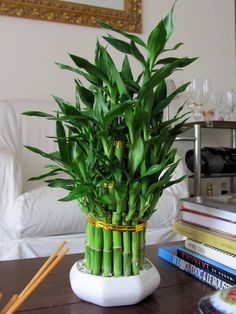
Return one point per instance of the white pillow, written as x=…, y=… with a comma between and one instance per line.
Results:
x=167, y=209
x=38, y=213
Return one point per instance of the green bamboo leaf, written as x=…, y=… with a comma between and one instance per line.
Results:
x=90, y=78
x=97, y=52
x=120, y=45
x=140, y=119
x=182, y=64
x=85, y=94
x=100, y=108
x=160, y=92
x=87, y=66
x=134, y=38
x=173, y=182
x=171, y=155
x=53, y=167
x=76, y=193
x=62, y=142
x=129, y=120
x=166, y=60
x=77, y=97
x=167, y=100
x=136, y=154
x=132, y=87
x=105, y=199
x=48, y=174
x=134, y=192
x=115, y=75
x=52, y=156
x=116, y=111
x=121, y=191
x=171, y=168
x=156, y=42
x=136, y=53
x=126, y=72
x=153, y=169
x=67, y=184
x=175, y=47
x=153, y=188
x=37, y=114
x=168, y=21
x=66, y=107
x=161, y=74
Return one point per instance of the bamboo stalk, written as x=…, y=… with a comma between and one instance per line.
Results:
x=141, y=248
x=135, y=250
x=117, y=247
x=87, y=247
x=107, y=251
x=126, y=251
x=90, y=241
x=97, y=254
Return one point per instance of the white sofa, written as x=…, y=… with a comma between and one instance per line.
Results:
x=33, y=222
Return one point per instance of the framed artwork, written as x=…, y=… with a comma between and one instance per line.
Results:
x=125, y=14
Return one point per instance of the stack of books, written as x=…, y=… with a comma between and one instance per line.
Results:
x=209, y=252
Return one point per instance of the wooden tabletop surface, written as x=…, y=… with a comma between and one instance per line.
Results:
x=177, y=293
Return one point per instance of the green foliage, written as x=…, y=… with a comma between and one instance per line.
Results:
x=115, y=132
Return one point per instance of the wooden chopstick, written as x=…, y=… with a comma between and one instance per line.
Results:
x=44, y=267
x=52, y=261
x=9, y=304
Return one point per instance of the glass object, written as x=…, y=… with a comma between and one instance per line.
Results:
x=219, y=302
x=228, y=104
x=199, y=94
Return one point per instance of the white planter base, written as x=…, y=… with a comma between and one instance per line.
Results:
x=113, y=291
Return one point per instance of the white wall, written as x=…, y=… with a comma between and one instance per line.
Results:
x=29, y=48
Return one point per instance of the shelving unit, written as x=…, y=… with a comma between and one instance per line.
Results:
x=197, y=126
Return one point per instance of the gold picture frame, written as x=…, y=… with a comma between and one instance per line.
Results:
x=129, y=19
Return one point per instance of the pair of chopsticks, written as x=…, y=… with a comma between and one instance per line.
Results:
x=16, y=300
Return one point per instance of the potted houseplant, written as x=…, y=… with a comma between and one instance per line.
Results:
x=116, y=148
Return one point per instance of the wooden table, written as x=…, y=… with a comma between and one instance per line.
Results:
x=178, y=292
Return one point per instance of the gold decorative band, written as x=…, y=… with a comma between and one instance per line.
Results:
x=119, y=144
x=109, y=185
x=111, y=227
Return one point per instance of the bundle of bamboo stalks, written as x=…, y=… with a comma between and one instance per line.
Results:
x=115, y=145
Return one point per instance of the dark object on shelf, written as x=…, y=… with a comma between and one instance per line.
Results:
x=209, y=189
x=214, y=160
x=224, y=189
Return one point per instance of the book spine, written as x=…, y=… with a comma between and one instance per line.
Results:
x=210, y=238
x=218, y=255
x=194, y=271
x=203, y=220
x=206, y=266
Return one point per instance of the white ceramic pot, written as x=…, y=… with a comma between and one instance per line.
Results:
x=113, y=291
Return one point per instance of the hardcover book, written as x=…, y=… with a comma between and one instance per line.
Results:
x=209, y=221
x=218, y=240
x=224, y=272
x=224, y=257
x=170, y=255
x=223, y=206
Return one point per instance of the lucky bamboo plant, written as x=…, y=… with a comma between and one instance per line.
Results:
x=115, y=145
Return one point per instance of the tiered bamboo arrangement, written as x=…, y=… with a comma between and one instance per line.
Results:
x=115, y=145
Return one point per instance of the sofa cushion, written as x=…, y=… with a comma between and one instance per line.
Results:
x=39, y=213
